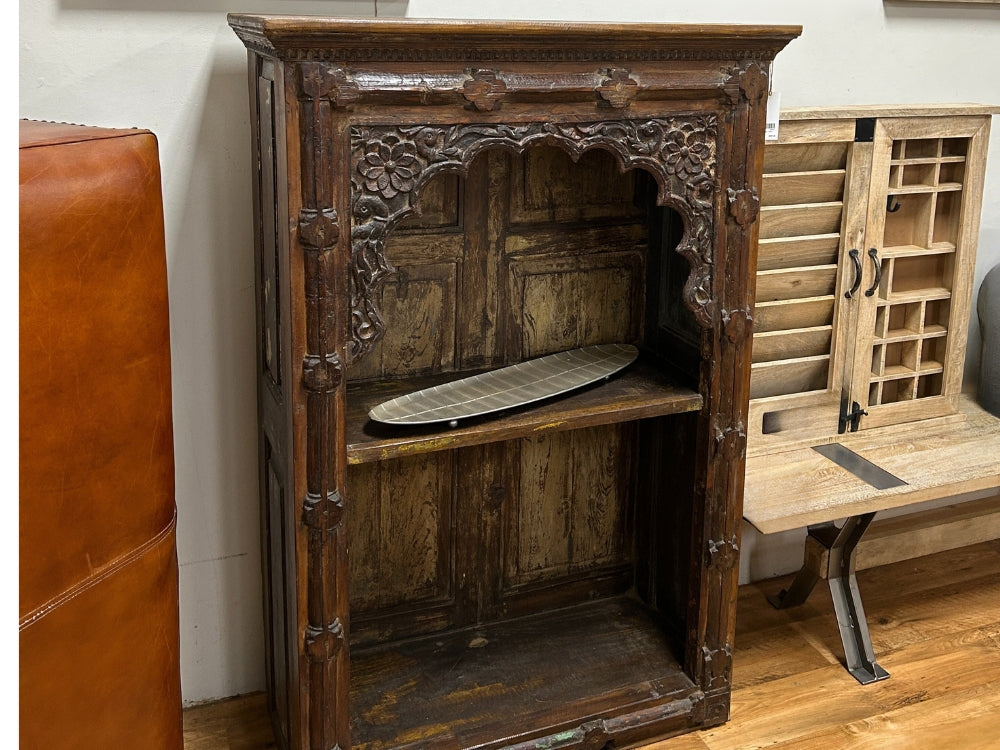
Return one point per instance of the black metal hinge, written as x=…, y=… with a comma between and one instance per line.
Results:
x=864, y=130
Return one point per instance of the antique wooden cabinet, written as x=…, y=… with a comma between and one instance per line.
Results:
x=437, y=198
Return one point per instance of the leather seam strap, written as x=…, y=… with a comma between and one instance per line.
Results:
x=102, y=575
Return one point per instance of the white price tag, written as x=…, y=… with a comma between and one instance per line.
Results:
x=773, y=115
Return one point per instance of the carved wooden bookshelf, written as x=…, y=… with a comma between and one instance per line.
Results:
x=438, y=198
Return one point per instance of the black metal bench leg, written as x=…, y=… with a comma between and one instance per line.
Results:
x=841, y=542
x=858, y=651
x=796, y=594
x=808, y=576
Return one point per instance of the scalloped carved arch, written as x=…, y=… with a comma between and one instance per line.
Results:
x=390, y=164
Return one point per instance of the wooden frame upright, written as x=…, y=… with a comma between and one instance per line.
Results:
x=351, y=119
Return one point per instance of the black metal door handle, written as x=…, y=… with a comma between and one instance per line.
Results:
x=873, y=254
x=855, y=256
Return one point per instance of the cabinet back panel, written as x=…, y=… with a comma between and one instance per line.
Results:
x=399, y=524
x=526, y=255
x=569, y=514
x=559, y=247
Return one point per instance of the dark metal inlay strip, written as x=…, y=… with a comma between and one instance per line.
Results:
x=860, y=467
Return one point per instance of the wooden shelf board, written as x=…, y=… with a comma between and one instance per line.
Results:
x=897, y=335
x=551, y=672
x=951, y=159
x=777, y=272
x=901, y=372
x=792, y=332
x=777, y=304
x=894, y=372
x=802, y=238
x=916, y=295
x=806, y=173
x=779, y=363
x=641, y=391
x=909, y=251
x=941, y=187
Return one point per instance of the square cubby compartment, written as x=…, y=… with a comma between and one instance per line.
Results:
x=936, y=316
x=899, y=359
x=947, y=210
x=909, y=221
x=898, y=320
x=895, y=176
x=922, y=272
x=932, y=355
x=921, y=148
x=930, y=385
x=919, y=174
x=951, y=173
x=955, y=147
x=894, y=391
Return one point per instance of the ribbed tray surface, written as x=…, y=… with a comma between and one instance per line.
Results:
x=508, y=387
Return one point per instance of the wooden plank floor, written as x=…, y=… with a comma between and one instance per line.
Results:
x=935, y=625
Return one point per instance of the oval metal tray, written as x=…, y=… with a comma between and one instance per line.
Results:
x=506, y=388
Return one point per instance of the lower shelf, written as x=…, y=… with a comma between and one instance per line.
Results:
x=519, y=681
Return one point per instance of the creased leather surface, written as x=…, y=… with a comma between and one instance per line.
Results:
x=98, y=567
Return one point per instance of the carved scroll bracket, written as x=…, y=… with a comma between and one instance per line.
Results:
x=390, y=164
x=324, y=644
x=722, y=555
x=618, y=89
x=747, y=80
x=319, y=229
x=484, y=90
x=327, y=82
x=718, y=665
x=323, y=513
x=737, y=324
x=731, y=442
x=743, y=206
x=322, y=374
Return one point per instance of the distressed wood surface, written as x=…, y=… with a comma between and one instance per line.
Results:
x=799, y=487
x=410, y=223
x=933, y=109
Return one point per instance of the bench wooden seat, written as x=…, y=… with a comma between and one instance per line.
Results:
x=936, y=458
x=956, y=458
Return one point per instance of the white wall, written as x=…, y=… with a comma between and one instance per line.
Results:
x=174, y=67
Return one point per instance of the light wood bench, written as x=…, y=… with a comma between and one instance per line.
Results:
x=933, y=459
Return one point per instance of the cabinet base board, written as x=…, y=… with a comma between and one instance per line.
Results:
x=525, y=681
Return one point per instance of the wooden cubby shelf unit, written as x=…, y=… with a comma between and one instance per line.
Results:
x=435, y=199
x=867, y=244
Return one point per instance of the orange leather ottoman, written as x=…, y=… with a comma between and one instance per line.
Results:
x=99, y=655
